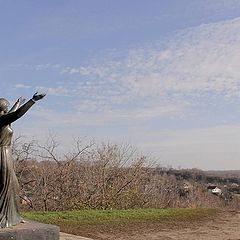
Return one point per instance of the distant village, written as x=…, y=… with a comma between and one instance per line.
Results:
x=225, y=184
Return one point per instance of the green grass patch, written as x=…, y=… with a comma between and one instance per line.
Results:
x=95, y=217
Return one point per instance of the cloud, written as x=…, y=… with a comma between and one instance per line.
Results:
x=195, y=61
x=21, y=85
x=189, y=67
x=47, y=66
x=104, y=118
x=54, y=91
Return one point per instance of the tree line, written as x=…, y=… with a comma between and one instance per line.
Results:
x=99, y=176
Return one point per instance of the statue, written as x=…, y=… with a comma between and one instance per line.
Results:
x=9, y=188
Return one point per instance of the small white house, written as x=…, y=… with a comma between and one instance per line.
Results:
x=217, y=191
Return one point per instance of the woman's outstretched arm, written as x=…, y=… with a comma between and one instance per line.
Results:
x=17, y=104
x=13, y=116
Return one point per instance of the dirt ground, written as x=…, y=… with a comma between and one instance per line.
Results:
x=225, y=226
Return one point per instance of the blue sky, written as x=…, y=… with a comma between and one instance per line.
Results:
x=161, y=75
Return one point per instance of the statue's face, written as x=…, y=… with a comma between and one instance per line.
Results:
x=5, y=109
x=3, y=106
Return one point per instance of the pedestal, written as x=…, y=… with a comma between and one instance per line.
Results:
x=30, y=231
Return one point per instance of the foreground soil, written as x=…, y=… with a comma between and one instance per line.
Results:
x=224, y=226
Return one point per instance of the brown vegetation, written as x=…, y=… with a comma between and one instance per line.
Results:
x=108, y=176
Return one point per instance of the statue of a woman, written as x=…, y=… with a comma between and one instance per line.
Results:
x=9, y=189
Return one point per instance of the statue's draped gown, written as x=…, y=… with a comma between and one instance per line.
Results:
x=9, y=189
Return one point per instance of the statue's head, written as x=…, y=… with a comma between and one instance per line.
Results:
x=4, y=104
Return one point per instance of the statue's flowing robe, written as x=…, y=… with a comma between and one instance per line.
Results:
x=9, y=188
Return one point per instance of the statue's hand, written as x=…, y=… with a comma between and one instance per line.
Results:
x=37, y=96
x=21, y=101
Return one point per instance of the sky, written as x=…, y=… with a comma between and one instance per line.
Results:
x=163, y=76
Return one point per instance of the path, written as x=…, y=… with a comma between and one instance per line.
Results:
x=224, y=227
x=65, y=236
x=227, y=227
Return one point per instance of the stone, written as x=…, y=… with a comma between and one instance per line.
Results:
x=30, y=231
x=66, y=236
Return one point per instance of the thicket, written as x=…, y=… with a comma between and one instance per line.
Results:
x=106, y=176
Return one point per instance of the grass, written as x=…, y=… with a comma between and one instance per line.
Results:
x=96, y=217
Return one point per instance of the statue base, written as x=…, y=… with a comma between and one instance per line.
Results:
x=30, y=231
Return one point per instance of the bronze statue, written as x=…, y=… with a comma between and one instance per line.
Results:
x=9, y=189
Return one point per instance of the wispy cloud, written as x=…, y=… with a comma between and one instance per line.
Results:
x=21, y=85
x=54, y=91
x=46, y=66
x=193, y=63
x=104, y=118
